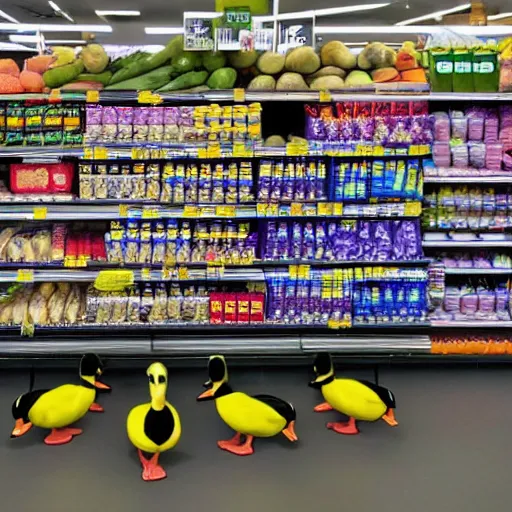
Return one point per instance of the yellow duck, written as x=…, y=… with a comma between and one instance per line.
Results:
x=60, y=407
x=358, y=399
x=154, y=427
x=257, y=416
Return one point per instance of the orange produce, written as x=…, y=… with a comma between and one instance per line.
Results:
x=31, y=81
x=10, y=84
x=39, y=64
x=9, y=67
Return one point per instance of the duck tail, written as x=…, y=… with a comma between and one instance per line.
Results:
x=289, y=432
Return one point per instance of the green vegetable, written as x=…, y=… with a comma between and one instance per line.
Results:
x=223, y=78
x=63, y=74
x=147, y=82
x=186, y=81
x=123, y=62
x=214, y=60
x=185, y=62
x=143, y=66
x=102, y=78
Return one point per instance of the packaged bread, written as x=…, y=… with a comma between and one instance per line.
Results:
x=72, y=305
x=37, y=309
x=20, y=307
x=6, y=313
x=5, y=235
x=46, y=290
x=56, y=307
x=42, y=246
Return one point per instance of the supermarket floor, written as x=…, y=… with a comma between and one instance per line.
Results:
x=451, y=451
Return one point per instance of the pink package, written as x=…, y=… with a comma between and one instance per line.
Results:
x=477, y=152
x=459, y=125
x=491, y=128
x=476, y=119
x=441, y=154
x=460, y=156
x=441, y=127
x=493, y=156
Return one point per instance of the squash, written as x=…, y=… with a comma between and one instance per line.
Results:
x=405, y=61
x=414, y=75
x=384, y=74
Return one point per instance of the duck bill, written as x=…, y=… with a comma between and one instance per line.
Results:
x=20, y=428
x=289, y=432
x=100, y=385
x=206, y=395
x=316, y=384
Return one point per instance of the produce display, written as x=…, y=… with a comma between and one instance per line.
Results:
x=347, y=297
x=478, y=260
x=482, y=301
x=341, y=241
x=468, y=208
x=476, y=141
x=495, y=344
x=109, y=124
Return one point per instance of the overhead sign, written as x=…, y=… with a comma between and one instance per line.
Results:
x=198, y=32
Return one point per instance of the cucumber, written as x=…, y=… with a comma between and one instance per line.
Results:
x=147, y=82
x=102, y=78
x=186, y=81
x=56, y=77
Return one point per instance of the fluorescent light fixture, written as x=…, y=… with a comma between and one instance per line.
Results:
x=117, y=13
x=489, y=30
x=34, y=27
x=21, y=38
x=7, y=17
x=66, y=41
x=494, y=17
x=13, y=47
x=434, y=15
x=163, y=30
x=202, y=14
x=58, y=10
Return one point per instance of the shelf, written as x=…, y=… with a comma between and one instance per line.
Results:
x=472, y=324
x=382, y=92
x=467, y=244
x=467, y=179
x=119, y=210
x=477, y=271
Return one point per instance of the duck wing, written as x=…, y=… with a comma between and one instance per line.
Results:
x=25, y=402
x=383, y=393
x=285, y=409
x=159, y=425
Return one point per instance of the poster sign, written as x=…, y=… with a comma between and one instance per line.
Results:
x=294, y=33
x=198, y=32
x=234, y=30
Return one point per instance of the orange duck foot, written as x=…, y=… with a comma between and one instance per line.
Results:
x=348, y=428
x=96, y=408
x=151, y=471
x=62, y=436
x=323, y=407
x=389, y=418
x=234, y=446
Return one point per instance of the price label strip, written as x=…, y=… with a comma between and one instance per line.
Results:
x=40, y=212
x=25, y=276
x=114, y=280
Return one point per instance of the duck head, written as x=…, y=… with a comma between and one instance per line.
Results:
x=157, y=374
x=20, y=410
x=217, y=385
x=90, y=368
x=324, y=370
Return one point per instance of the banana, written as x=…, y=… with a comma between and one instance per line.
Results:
x=65, y=55
x=504, y=44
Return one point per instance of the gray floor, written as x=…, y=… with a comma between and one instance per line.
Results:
x=451, y=451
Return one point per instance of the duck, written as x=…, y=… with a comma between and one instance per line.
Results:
x=154, y=427
x=249, y=416
x=58, y=408
x=357, y=399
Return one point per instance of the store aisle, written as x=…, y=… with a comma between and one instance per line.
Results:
x=450, y=452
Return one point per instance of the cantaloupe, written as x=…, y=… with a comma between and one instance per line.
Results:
x=31, y=81
x=9, y=67
x=414, y=75
x=405, y=61
x=384, y=74
x=40, y=63
x=10, y=84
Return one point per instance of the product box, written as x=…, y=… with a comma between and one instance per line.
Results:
x=41, y=178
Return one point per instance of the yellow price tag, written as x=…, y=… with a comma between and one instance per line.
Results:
x=296, y=210
x=150, y=213
x=202, y=153
x=239, y=95
x=145, y=274
x=378, y=151
x=324, y=208
x=55, y=95
x=92, y=96
x=412, y=209
x=239, y=150
x=40, y=212
x=113, y=280
x=261, y=209
x=136, y=154
x=293, y=271
x=337, y=209
x=183, y=274
x=123, y=210
x=273, y=210
x=88, y=153
x=213, y=150
x=333, y=324
x=149, y=97
x=25, y=275
x=225, y=211
x=190, y=211
x=303, y=272
x=166, y=273
x=100, y=153
x=325, y=97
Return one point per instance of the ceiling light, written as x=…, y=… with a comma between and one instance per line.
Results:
x=489, y=30
x=117, y=13
x=34, y=27
x=163, y=30
x=435, y=14
x=494, y=17
x=65, y=41
x=22, y=38
x=8, y=18
x=58, y=10
x=10, y=47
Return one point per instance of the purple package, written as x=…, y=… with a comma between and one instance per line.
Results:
x=282, y=247
x=459, y=125
x=308, y=242
x=381, y=131
x=270, y=241
x=476, y=121
x=491, y=129
x=290, y=300
x=315, y=128
x=276, y=292
x=140, y=124
x=400, y=131
x=366, y=242
x=320, y=241
x=156, y=124
x=382, y=240
x=296, y=250
x=493, y=156
x=124, y=124
x=93, y=116
x=109, y=122
x=451, y=303
x=277, y=181
x=460, y=156
x=171, y=124
x=407, y=240
x=344, y=240
x=315, y=297
x=441, y=154
x=477, y=155
x=421, y=129
x=469, y=300
x=363, y=129
x=441, y=127
x=346, y=132
x=502, y=303
x=332, y=130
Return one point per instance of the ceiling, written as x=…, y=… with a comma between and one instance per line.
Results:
x=170, y=13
